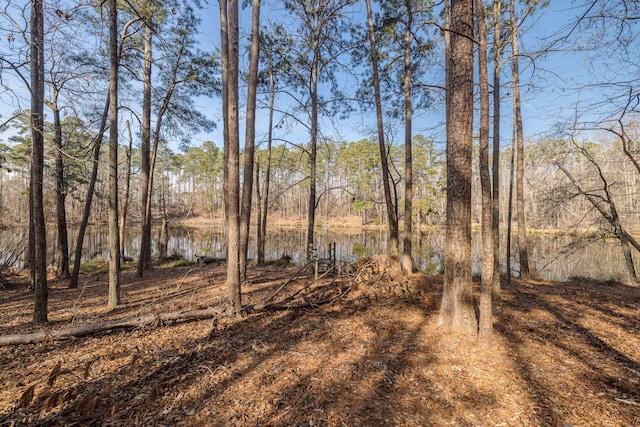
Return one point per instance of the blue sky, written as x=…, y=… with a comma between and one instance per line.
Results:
x=548, y=97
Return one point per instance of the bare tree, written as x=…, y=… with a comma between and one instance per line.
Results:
x=456, y=310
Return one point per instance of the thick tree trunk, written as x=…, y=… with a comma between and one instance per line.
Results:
x=144, y=259
x=114, y=237
x=230, y=55
x=457, y=310
x=485, y=329
x=407, y=259
x=38, y=250
x=249, y=144
x=497, y=66
x=517, y=117
x=391, y=210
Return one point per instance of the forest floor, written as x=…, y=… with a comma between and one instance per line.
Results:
x=564, y=354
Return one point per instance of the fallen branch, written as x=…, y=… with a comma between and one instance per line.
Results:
x=273, y=295
x=628, y=402
x=127, y=323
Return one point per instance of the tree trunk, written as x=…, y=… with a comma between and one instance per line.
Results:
x=497, y=66
x=485, y=329
x=391, y=210
x=144, y=259
x=109, y=325
x=407, y=260
x=230, y=55
x=262, y=231
x=510, y=209
x=125, y=195
x=517, y=117
x=249, y=144
x=62, y=252
x=38, y=250
x=114, y=237
x=97, y=143
x=457, y=310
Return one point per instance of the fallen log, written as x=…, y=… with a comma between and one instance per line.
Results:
x=109, y=325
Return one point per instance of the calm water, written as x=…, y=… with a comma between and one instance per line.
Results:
x=552, y=257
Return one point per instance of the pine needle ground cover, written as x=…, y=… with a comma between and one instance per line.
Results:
x=563, y=354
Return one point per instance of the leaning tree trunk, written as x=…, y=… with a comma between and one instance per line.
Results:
x=97, y=143
x=486, y=319
x=39, y=248
x=517, y=117
x=457, y=310
x=391, y=210
x=114, y=237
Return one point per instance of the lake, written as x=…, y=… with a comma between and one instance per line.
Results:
x=552, y=256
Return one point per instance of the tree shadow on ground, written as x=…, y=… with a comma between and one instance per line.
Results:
x=357, y=362
x=588, y=360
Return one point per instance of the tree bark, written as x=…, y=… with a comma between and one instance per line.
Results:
x=262, y=224
x=144, y=259
x=230, y=55
x=313, y=144
x=485, y=328
x=97, y=143
x=510, y=209
x=62, y=251
x=114, y=237
x=517, y=117
x=250, y=135
x=457, y=310
x=110, y=325
x=391, y=211
x=407, y=259
x=39, y=248
x=497, y=66
x=125, y=193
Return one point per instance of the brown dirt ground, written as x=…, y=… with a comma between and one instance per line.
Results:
x=564, y=354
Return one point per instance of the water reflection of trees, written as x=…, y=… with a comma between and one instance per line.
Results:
x=553, y=257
